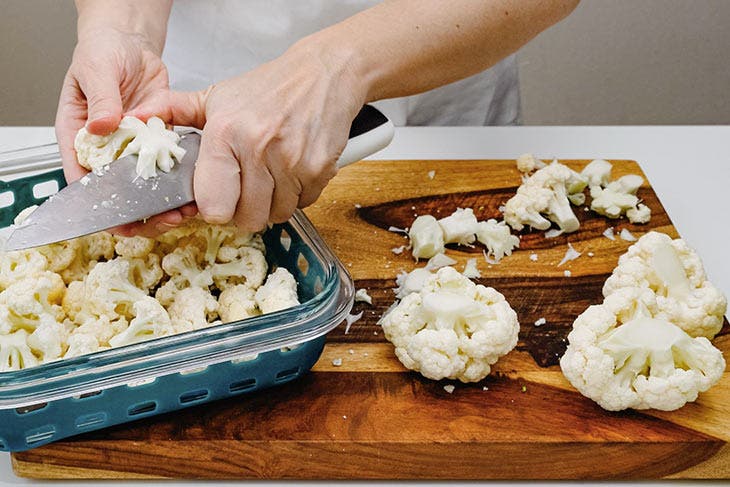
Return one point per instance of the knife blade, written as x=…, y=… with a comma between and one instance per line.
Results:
x=98, y=202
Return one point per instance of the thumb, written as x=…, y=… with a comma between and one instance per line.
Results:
x=217, y=179
x=104, y=102
x=187, y=108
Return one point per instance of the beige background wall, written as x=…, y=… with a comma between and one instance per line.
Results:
x=611, y=62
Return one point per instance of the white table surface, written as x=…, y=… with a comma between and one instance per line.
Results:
x=688, y=166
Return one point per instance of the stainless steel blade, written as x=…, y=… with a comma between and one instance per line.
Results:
x=116, y=197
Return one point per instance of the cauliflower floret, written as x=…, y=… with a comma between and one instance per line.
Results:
x=15, y=353
x=145, y=272
x=19, y=264
x=639, y=214
x=674, y=272
x=152, y=142
x=619, y=198
x=597, y=172
x=183, y=268
x=61, y=255
x=459, y=227
x=427, y=237
x=109, y=292
x=527, y=163
x=278, y=292
x=48, y=340
x=28, y=300
x=452, y=328
x=248, y=268
x=497, y=238
x=622, y=356
x=237, y=302
x=193, y=308
x=150, y=321
x=81, y=344
x=136, y=247
x=545, y=192
x=100, y=328
x=98, y=246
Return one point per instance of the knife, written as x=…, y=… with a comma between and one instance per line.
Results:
x=96, y=202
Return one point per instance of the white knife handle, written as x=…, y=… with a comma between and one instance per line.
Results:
x=370, y=131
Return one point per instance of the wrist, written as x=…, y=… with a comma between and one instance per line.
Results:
x=145, y=20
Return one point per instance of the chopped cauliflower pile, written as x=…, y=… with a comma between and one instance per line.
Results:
x=451, y=328
x=429, y=236
x=548, y=190
x=99, y=291
x=648, y=344
x=155, y=145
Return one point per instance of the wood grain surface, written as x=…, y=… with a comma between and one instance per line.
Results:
x=369, y=418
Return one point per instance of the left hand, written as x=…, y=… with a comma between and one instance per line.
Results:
x=271, y=137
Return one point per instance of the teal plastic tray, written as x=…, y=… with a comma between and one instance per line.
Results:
x=64, y=398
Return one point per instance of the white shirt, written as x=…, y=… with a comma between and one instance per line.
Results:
x=209, y=41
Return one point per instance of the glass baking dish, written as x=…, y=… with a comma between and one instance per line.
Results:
x=59, y=399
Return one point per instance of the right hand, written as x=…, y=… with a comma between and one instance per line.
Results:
x=111, y=74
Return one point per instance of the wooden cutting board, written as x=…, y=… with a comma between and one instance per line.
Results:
x=369, y=418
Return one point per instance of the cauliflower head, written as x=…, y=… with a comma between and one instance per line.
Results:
x=451, y=328
x=673, y=271
x=621, y=355
x=544, y=198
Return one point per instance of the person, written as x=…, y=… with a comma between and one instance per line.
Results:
x=275, y=84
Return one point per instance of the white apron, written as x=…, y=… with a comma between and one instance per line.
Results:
x=209, y=41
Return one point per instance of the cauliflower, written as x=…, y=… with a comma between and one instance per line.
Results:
x=278, y=292
x=48, y=340
x=150, y=321
x=674, y=273
x=192, y=308
x=136, y=247
x=619, y=198
x=248, y=267
x=410, y=282
x=20, y=264
x=459, y=227
x=89, y=250
x=81, y=344
x=100, y=328
x=30, y=300
x=108, y=290
x=427, y=237
x=452, y=328
x=527, y=163
x=237, y=302
x=145, y=272
x=183, y=268
x=15, y=353
x=155, y=146
x=622, y=356
x=61, y=255
x=546, y=192
x=597, y=172
x=497, y=238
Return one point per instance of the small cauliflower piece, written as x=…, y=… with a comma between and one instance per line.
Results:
x=20, y=264
x=48, y=340
x=527, y=163
x=109, y=292
x=545, y=193
x=15, y=354
x=674, y=273
x=61, y=255
x=639, y=214
x=427, y=237
x=237, y=303
x=597, y=172
x=81, y=344
x=410, y=282
x=99, y=327
x=150, y=321
x=452, y=328
x=278, y=292
x=471, y=270
x=136, y=247
x=193, y=308
x=184, y=270
x=619, y=198
x=622, y=356
x=460, y=227
x=497, y=238
x=145, y=272
x=155, y=146
x=361, y=295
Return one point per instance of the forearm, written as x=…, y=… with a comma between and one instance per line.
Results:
x=402, y=47
x=146, y=18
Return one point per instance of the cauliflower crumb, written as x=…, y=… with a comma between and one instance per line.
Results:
x=449, y=388
x=553, y=232
x=625, y=234
x=361, y=295
x=591, y=254
x=470, y=269
x=398, y=250
x=438, y=261
x=431, y=174
x=540, y=322
x=608, y=233
x=567, y=273
x=350, y=319
x=533, y=257
x=337, y=362
x=570, y=254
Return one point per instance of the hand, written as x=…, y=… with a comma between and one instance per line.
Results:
x=271, y=137
x=112, y=73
